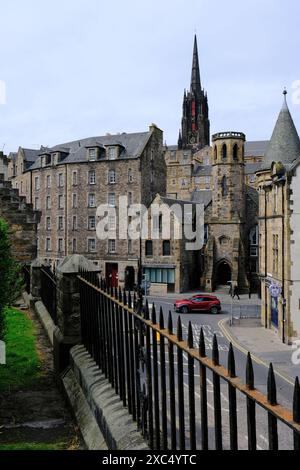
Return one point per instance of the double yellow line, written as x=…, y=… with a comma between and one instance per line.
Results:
x=255, y=359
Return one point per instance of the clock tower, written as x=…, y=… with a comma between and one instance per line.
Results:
x=195, y=132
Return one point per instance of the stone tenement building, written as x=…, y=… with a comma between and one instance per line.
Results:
x=22, y=221
x=279, y=229
x=3, y=166
x=68, y=182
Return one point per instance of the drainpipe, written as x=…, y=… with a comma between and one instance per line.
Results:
x=283, y=268
x=266, y=262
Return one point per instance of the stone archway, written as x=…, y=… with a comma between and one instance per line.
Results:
x=223, y=274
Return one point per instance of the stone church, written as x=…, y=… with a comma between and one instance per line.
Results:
x=221, y=175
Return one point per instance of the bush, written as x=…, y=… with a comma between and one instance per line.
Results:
x=11, y=281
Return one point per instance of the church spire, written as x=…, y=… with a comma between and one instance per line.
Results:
x=195, y=80
x=195, y=126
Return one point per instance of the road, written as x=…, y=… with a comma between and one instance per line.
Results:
x=211, y=326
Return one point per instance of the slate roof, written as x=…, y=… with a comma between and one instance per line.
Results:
x=31, y=155
x=133, y=146
x=252, y=168
x=256, y=148
x=204, y=170
x=284, y=145
x=202, y=197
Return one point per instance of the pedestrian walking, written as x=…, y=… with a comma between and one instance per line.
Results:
x=236, y=293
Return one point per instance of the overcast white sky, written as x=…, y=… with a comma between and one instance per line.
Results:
x=79, y=68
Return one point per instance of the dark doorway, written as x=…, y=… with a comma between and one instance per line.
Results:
x=129, y=278
x=112, y=276
x=223, y=274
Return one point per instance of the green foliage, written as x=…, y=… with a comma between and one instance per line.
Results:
x=22, y=361
x=34, y=446
x=11, y=281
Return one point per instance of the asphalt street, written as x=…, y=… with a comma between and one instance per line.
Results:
x=211, y=326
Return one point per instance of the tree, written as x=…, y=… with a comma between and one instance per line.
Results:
x=11, y=281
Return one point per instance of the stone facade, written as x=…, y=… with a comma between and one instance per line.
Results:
x=4, y=166
x=68, y=183
x=22, y=220
x=230, y=220
x=167, y=263
x=278, y=182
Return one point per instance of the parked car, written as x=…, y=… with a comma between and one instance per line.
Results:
x=199, y=303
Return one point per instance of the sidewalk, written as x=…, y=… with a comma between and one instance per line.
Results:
x=265, y=345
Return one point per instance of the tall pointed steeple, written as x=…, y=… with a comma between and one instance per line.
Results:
x=195, y=118
x=195, y=80
x=284, y=145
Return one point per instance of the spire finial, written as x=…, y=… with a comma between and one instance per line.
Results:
x=195, y=80
x=285, y=105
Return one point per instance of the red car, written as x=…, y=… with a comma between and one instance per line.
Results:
x=199, y=303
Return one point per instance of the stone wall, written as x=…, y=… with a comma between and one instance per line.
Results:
x=22, y=220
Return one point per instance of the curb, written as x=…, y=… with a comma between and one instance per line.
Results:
x=223, y=325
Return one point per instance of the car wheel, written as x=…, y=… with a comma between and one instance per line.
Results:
x=214, y=310
x=185, y=310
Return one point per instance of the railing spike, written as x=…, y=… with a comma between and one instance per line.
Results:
x=272, y=391
x=153, y=314
x=190, y=336
x=202, y=348
x=250, y=373
x=147, y=315
x=129, y=300
x=124, y=297
x=170, y=323
x=161, y=319
x=231, y=362
x=215, y=352
x=179, y=329
x=120, y=294
x=296, y=402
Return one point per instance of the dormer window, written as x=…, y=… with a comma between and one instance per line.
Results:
x=112, y=153
x=92, y=155
x=46, y=160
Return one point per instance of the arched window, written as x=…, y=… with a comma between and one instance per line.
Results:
x=166, y=248
x=235, y=152
x=149, y=248
x=130, y=176
x=216, y=153
x=112, y=179
x=224, y=187
x=224, y=152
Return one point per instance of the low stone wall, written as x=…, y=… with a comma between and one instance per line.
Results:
x=113, y=420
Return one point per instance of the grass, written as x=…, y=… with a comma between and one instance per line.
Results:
x=33, y=446
x=22, y=361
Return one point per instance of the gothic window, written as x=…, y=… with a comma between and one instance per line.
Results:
x=216, y=153
x=224, y=187
x=224, y=152
x=235, y=152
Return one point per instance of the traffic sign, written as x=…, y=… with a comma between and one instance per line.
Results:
x=275, y=290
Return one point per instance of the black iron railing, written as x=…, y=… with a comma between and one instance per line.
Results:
x=174, y=392
x=48, y=291
x=26, y=275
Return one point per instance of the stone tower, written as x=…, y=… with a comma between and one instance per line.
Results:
x=225, y=249
x=195, y=132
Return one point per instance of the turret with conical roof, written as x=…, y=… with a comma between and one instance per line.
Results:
x=195, y=121
x=284, y=145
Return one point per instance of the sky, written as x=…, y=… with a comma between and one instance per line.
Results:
x=81, y=68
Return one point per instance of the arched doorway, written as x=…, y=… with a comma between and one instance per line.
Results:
x=224, y=274
x=129, y=278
